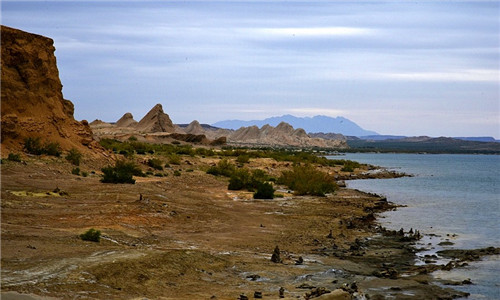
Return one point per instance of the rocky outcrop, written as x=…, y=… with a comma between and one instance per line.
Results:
x=282, y=135
x=127, y=120
x=32, y=99
x=194, y=128
x=156, y=121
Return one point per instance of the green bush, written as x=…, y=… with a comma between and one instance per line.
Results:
x=91, y=235
x=307, y=180
x=243, y=159
x=122, y=172
x=33, y=146
x=223, y=168
x=85, y=174
x=74, y=156
x=265, y=190
x=75, y=171
x=53, y=149
x=174, y=159
x=240, y=179
x=155, y=163
x=177, y=173
x=14, y=157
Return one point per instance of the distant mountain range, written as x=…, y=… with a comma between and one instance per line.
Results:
x=309, y=124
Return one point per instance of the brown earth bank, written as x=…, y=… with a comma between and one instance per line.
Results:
x=189, y=237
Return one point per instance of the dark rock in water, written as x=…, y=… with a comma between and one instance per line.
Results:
x=276, y=257
x=299, y=261
x=282, y=292
x=257, y=295
x=467, y=281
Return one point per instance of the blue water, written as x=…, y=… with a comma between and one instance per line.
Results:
x=456, y=197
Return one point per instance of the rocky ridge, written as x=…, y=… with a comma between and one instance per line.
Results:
x=32, y=99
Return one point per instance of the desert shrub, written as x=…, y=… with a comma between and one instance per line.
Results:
x=177, y=173
x=53, y=149
x=204, y=152
x=75, y=171
x=122, y=172
x=175, y=143
x=14, y=157
x=132, y=139
x=307, y=180
x=240, y=179
x=223, y=168
x=159, y=174
x=33, y=145
x=91, y=235
x=244, y=179
x=190, y=170
x=243, y=159
x=155, y=163
x=85, y=174
x=265, y=190
x=74, y=156
x=350, y=165
x=174, y=159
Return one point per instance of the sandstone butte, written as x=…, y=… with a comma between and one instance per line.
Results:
x=32, y=99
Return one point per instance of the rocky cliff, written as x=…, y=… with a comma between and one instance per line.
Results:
x=32, y=99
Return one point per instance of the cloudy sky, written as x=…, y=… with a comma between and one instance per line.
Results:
x=395, y=67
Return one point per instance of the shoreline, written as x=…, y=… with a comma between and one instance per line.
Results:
x=192, y=238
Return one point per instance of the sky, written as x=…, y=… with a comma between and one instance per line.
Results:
x=394, y=67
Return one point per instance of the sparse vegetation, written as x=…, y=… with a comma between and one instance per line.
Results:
x=91, y=235
x=33, y=145
x=307, y=180
x=243, y=159
x=122, y=172
x=14, y=157
x=265, y=190
x=174, y=159
x=155, y=163
x=74, y=156
x=75, y=171
x=223, y=168
x=177, y=173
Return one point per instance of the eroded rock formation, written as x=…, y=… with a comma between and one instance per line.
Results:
x=32, y=99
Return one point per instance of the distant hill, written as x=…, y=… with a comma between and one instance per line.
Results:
x=424, y=144
x=309, y=124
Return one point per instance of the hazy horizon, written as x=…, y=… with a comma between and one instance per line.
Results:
x=399, y=68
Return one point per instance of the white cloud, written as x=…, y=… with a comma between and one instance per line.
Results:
x=475, y=75
x=312, y=111
x=313, y=31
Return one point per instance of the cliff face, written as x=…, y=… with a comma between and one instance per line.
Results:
x=32, y=100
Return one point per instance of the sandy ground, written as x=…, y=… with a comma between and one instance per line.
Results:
x=189, y=238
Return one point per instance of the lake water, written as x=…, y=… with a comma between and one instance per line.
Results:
x=456, y=197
